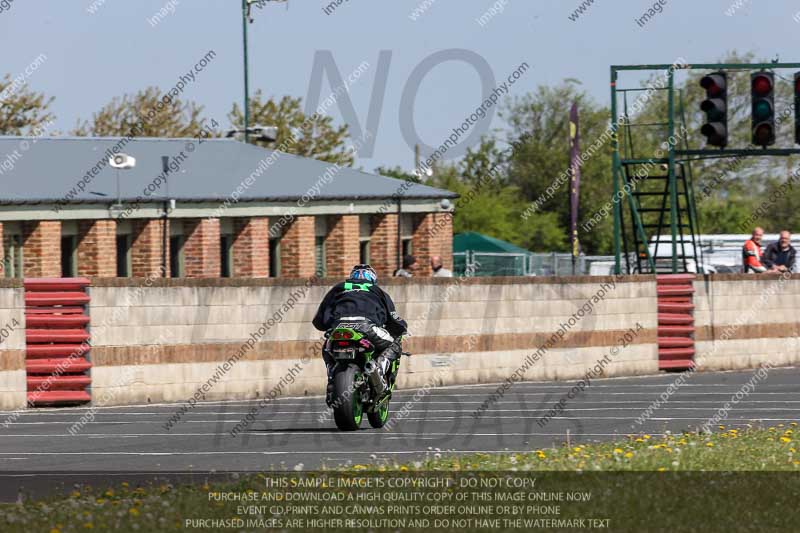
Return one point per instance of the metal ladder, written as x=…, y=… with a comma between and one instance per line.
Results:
x=650, y=208
x=649, y=200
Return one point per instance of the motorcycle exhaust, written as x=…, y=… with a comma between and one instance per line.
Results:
x=374, y=373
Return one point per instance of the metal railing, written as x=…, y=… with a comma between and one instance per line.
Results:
x=531, y=264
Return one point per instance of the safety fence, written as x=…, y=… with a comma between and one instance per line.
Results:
x=57, y=341
x=675, y=295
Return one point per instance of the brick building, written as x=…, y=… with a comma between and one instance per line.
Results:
x=205, y=209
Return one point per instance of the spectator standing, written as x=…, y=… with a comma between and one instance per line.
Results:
x=751, y=253
x=780, y=256
x=438, y=270
x=409, y=266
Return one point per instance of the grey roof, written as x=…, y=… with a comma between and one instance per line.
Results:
x=48, y=169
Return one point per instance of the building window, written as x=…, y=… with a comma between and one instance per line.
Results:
x=364, y=236
x=69, y=249
x=319, y=251
x=124, y=248
x=176, y=256
x=274, y=258
x=12, y=250
x=124, y=259
x=69, y=252
x=406, y=234
x=320, y=234
x=176, y=242
x=407, y=249
x=226, y=255
x=226, y=238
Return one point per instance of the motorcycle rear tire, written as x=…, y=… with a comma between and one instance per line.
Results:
x=347, y=407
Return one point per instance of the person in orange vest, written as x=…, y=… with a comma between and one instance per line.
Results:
x=751, y=253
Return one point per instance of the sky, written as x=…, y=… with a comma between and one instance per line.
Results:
x=462, y=50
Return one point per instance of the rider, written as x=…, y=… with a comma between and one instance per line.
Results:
x=359, y=300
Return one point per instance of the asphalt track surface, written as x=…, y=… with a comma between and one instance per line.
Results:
x=290, y=434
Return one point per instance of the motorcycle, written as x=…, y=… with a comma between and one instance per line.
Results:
x=361, y=385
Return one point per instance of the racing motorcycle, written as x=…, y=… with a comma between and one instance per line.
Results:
x=360, y=383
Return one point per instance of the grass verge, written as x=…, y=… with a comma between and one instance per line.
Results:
x=770, y=449
x=164, y=507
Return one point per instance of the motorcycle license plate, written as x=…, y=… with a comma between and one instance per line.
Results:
x=349, y=353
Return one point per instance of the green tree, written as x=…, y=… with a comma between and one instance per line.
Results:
x=145, y=114
x=724, y=215
x=22, y=111
x=488, y=204
x=526, y=202
x=397, y=173
x=308, y=136
x=539, y=121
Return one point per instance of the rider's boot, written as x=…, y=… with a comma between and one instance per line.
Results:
x=329, y=390
x=392, y=353
x=387, y=359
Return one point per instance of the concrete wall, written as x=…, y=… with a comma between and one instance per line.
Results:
x=744, y=320
x=161, y=341
x=13, y=386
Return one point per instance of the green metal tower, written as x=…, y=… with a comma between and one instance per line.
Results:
x=657, y=230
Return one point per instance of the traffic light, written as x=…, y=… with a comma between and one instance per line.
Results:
x=797, y=107
x=762, y=94
x=715, y=106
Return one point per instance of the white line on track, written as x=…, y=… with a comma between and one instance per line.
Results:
x=287, y=452
x=360, y=434
x=493, y=417
x=431, y=418
x=400, y=403
x=665, y=407
x=584, y=397
x=647, y=401
x=466, y=412
x=557, y=386
x=647, y=394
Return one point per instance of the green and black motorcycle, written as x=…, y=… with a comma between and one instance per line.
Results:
x=360, y=385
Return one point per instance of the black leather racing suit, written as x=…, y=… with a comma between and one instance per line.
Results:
x=367, y=306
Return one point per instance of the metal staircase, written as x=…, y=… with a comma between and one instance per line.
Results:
x=650, y=211
x=657, y=218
